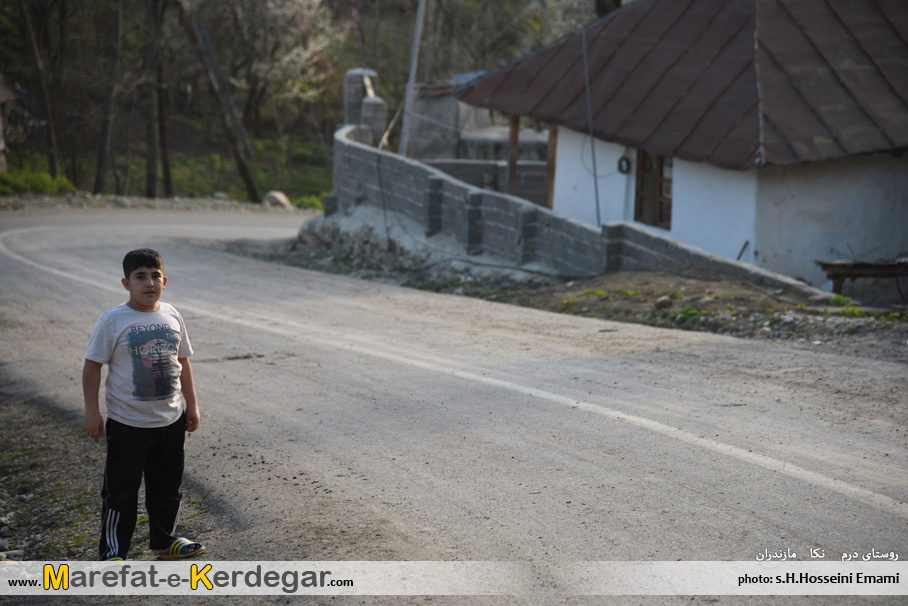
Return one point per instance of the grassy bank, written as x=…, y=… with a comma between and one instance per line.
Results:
x=50, y=487
x=300, y=169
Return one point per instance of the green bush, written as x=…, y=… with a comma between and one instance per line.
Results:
x=310, y=153
x=840, y=301
x=308, y=202
x=38, y=182
x=304, y=174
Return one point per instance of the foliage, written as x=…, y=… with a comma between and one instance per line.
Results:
x=471, y=35
x=308, y=202
x=840, y=301
x=38, y=182
x=892, y=316
x=278, y=54
x=283, y=62
x=688, y=311
x=851, y=311
x=601, y=294
x=303, y=173
x=196, y=175
x=13, y=49
x=843, y=306
x=459, y=36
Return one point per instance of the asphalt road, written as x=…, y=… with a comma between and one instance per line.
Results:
x=346, y=420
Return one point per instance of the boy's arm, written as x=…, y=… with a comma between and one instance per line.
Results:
x=93, y=425
x=188, y=388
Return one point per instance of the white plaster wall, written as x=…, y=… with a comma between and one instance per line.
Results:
x=714, y=208
x=574, y=192
x=854, y=209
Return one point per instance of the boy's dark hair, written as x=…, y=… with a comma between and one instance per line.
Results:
x=141, y=257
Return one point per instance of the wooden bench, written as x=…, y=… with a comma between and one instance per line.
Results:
x=838, y=271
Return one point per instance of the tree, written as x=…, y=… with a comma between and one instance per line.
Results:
x=275, y=53
x=121, y=71
x=113, y=58
x=163, y=105
x=41, y=77
x=150, y=97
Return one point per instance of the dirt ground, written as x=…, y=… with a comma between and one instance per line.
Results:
x=683, y=300
x=35, y=472
x=734, y=307
x=47, y=511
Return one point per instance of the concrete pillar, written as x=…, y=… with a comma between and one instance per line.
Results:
x=355, y=92
x=374, y=115
x=473, y=223
x=434, y=198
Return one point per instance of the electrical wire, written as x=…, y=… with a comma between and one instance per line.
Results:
x=421, y=242
x=587, y=168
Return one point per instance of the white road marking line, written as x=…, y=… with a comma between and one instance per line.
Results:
x=331, y=341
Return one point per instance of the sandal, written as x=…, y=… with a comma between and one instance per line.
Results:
x=181, y=548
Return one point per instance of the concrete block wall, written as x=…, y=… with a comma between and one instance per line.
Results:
x=358, y=165
x=501, y=227
x=641, y=248
x=399, y=185
x=531, y=176
x=454, y=215
x=513, y=228
x=570, y=247
x=478, y=173
x=362, y=175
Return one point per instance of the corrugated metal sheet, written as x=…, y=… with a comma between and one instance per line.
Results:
x=736, y=83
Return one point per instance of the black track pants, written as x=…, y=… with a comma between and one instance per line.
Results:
x=133, y=452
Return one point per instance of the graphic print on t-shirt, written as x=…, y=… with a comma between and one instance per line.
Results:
x=154, y=348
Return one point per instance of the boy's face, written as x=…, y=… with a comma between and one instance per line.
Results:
x=145, y=286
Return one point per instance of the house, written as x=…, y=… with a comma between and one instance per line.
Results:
x=767, y=131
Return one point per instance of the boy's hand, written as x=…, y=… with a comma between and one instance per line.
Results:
x=187, y=384
x=93, y=425
x=192, y=419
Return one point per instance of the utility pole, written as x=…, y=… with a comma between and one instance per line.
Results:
x=408, y=98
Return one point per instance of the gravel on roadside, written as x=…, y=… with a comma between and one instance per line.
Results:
x=50, y=488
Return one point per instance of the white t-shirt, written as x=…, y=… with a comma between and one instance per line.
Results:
x=143, y=376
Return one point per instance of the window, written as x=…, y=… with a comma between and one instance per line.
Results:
x=654, y=190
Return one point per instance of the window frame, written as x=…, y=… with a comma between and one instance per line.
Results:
x=653, y=207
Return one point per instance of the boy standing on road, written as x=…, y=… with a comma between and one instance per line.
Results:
x=151, y=403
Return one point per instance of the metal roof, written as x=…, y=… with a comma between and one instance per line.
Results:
x=735, y=83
